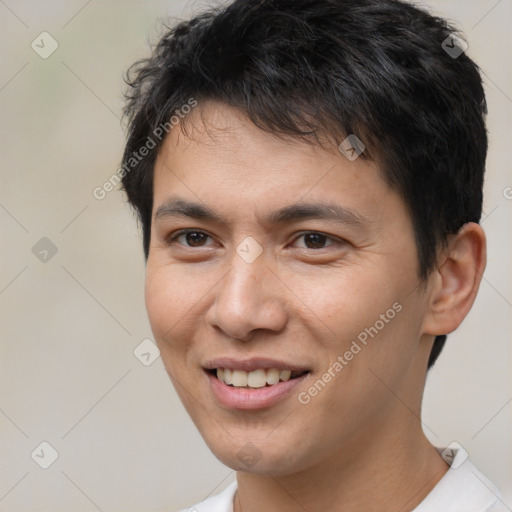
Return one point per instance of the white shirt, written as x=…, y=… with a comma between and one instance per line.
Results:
x=462, y=489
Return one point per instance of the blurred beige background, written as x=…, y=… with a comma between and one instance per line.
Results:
x=71, y=319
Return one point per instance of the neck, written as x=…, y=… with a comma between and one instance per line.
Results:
x=382, y=470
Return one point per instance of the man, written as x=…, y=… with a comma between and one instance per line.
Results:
x=308, y=176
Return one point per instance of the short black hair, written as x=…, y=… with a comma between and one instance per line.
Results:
x=317, y=69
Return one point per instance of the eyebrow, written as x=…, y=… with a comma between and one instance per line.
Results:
x=285, y=215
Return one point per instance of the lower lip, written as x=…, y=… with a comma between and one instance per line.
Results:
x=252, y=398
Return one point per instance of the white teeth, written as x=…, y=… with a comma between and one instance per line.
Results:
x=285, y=375
x=256, y=379
x=273, y=376
x=239, y=378
x=228, y=376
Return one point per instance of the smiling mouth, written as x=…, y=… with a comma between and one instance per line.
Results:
x=255, y=379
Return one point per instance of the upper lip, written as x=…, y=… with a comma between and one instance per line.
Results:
x=250, y=364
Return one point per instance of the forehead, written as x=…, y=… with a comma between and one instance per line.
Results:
x=221, y=158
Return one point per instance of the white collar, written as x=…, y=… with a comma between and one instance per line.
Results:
x=462, y=488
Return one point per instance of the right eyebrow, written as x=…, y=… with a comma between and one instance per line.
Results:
x=180, y=208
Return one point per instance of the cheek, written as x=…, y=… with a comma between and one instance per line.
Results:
x=345, y=301
x=157, y=299
x=366, y=315
x=167, y=306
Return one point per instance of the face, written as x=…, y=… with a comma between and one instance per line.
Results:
x=292, y=273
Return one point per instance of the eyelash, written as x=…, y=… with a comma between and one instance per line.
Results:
x=177, y=234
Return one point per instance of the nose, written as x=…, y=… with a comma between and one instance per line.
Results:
x=249, y=297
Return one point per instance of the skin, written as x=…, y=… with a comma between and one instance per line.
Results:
x=359, y=443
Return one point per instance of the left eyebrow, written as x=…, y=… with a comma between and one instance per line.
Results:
x=321, y=211
x=285, y=215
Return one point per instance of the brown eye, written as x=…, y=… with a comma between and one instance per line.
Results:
x=314, y=240
x=195, y=238
x=190, y=238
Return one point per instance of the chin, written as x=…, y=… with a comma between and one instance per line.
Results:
x=277, y=458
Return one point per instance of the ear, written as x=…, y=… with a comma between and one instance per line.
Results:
x=454, y=284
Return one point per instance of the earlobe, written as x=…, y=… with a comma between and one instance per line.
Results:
x=455, y=282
